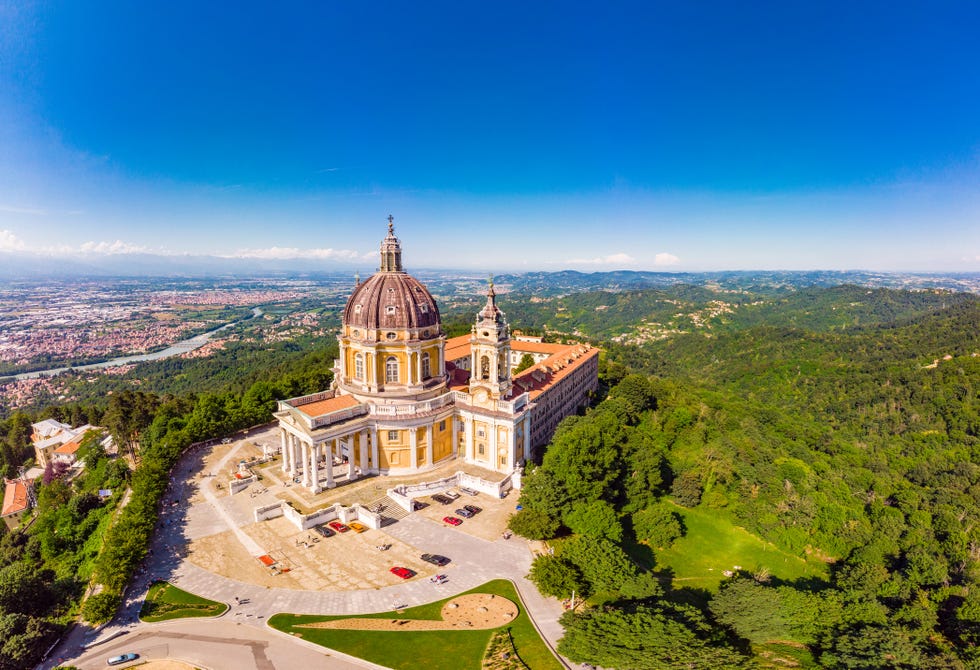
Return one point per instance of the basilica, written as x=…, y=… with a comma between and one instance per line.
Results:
x=405, y=398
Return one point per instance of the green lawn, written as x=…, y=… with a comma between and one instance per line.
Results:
x=712, y=545
x=425, y=650
x=164, y=601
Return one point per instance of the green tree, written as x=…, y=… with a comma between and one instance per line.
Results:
x=687, y=488
x=655, y=636
x=657, y=525
x=25, y=589
x=534, y=524
x=595, y=519
x=527, y=361
x=604, y=565
x=557, y=577
x=101, y=607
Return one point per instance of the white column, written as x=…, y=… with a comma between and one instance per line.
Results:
x=326, y=448
x=418, y=367
x=293, y=440
x=284, y=450
x=362, y=447
x=350, y=458
x=468, y=439
x=314, y=475
x=307, y=480
x=375, y=463
x=413, y=451
x=428, y=445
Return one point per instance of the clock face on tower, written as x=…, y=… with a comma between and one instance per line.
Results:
x=480, y=395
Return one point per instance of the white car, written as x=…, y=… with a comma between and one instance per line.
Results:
x=439, y=579
x=122, y=658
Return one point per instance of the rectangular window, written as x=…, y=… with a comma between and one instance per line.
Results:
x=394, y=458
x=392, y=435
x=480, y=449
x=442, y=426
x=480, y=432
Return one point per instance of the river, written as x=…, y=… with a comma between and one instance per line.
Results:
x=181, y=347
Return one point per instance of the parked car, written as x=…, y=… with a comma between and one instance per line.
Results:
x=439, y=579
x=122, y=658
x=465, y=513
x=473, y=508
x=338, y=526
x=452, y=521
x=324, y=531
x=404, y=573
x=357, y=527
x=439, y=498
x=469, y=492
x=450, y=494
x=435, y=559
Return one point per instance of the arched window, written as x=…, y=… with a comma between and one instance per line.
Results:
x=426, y=367
x=391, y=369
x=359, y=367
x=484, y=367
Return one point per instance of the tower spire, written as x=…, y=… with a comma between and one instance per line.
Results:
x=391, y=249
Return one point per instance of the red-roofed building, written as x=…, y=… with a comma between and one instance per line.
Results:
x=16, y=499
x=56, y=441
x=406, y=398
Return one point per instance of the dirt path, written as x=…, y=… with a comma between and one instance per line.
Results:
x=476, y=611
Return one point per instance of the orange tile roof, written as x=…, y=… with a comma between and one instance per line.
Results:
x=68, y=448
x=457, y=347
x=321, y=407
x=539, y=378
x=539, y=347
x=14, y=497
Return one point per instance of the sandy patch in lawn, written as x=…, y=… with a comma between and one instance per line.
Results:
x=475, y=611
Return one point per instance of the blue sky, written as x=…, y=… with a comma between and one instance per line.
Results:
x=539, y=136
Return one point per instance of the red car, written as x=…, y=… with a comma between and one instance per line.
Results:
x=339, y=527
x=452, y=521
x=404, y=573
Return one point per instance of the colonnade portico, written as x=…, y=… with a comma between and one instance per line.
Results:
x=302, y=457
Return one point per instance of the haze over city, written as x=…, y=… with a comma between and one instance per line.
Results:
x=506, y=137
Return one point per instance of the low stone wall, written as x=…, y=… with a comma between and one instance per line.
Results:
x=404, y=495
x=238, y=485
x=321, y=516
x=266, y=512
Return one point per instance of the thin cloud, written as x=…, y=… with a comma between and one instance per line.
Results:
x=664, y=258
x=10, y=242
x=283, y=253
x=112, y=248
x=23, y=210
x=612, y=259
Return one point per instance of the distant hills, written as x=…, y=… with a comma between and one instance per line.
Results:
x=32, y=267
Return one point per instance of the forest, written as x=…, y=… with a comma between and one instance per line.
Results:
x=855, y=448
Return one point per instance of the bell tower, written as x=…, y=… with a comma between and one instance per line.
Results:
x=490, y=352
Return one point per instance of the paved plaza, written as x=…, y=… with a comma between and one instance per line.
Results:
x=208, y=541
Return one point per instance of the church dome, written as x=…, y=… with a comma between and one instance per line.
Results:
x=392, y=298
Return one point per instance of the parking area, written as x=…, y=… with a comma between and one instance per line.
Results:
x=304, y=560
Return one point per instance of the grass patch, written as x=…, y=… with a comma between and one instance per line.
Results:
x=164, y=601
x=426, y=650
x=712, y=545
